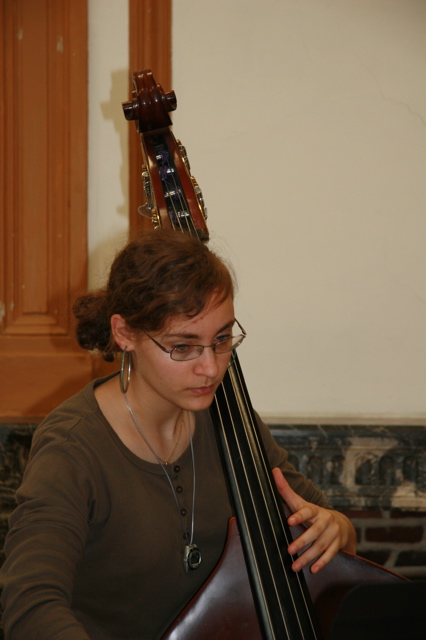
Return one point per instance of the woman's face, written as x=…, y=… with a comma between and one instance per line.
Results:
x=162, y=382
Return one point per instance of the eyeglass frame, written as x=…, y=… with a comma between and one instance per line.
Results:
x=208, y=346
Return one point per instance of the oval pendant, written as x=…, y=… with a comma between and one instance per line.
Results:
x=191, y=557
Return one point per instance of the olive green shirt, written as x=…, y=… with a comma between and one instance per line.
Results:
x=96, y=543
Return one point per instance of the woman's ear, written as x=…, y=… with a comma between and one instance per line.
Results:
x=122, y=333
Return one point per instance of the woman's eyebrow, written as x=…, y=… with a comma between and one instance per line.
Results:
x=195, y=336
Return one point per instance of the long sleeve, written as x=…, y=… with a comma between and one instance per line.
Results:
x=278, y=457
x=47, y=538
x=95, y=545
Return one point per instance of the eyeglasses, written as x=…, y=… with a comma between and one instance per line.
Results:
x=184, y=352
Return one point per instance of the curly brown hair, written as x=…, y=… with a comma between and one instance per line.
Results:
x=155, y=277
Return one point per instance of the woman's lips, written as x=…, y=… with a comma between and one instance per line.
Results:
x=203, y=391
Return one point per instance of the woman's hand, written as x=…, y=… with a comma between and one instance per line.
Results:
x=328, y=530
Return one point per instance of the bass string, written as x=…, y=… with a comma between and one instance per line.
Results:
x=273, y=493
x=247, y=466
x=252, y=431
x=243, y=513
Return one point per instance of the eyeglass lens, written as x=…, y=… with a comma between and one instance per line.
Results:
x=193, y=351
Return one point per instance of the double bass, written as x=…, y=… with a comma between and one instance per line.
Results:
x=253, y=592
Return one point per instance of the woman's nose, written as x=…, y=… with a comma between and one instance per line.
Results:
x=207, y=364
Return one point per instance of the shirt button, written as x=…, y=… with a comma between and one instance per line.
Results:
x=179, y=489
x=183, y=512
x=176, y=468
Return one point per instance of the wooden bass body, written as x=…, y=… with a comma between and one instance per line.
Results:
x=224, y=608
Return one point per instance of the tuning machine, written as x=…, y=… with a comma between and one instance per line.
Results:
x=196, y=186
x=149, y=209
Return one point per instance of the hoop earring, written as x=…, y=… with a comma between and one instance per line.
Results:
x=125, y=370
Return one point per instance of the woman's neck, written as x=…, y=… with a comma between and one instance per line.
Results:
x=165, y=430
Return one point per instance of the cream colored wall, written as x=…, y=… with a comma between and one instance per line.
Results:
x=108, y=134
x=305, y=123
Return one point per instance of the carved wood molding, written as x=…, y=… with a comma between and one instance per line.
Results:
x=43, y=252
x=150, y=47
x=43, y=169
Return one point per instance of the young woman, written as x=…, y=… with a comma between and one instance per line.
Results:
x=123, y=509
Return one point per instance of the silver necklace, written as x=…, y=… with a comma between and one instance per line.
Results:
x=191, y=553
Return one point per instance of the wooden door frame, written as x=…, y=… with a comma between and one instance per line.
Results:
x=43, y=244
x=43, y=166
x=150, y=47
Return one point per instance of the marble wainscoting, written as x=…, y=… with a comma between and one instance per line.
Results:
x=376, y=474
